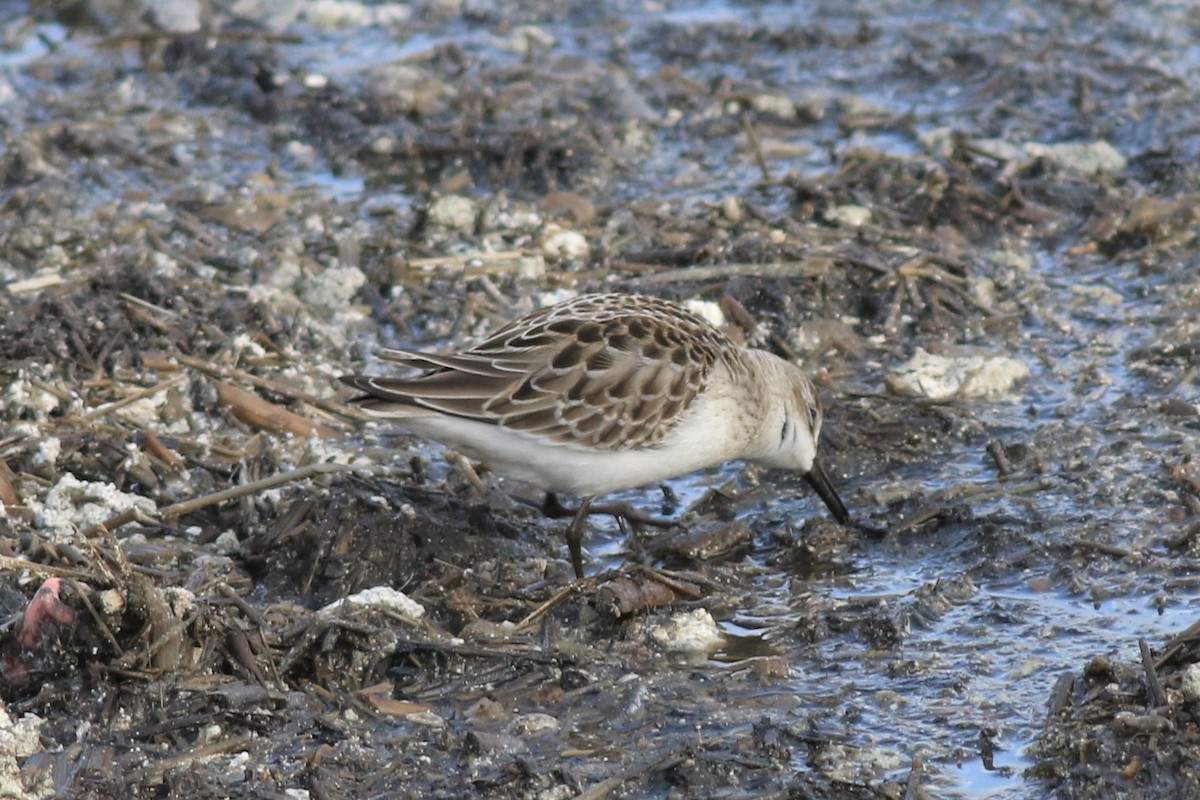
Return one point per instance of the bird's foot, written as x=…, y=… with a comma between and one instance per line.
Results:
x=554, y=509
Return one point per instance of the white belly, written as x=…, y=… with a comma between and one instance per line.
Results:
x=699, y=441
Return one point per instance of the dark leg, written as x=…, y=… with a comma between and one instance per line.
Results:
x=552, y=508
x=575, y=534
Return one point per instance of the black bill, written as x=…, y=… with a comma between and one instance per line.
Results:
x=817, y=479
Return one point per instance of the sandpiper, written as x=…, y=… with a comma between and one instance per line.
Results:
x=606, y=392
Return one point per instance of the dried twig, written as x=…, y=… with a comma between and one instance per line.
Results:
x=737, y=312
x=101, y=626
x=1157, y=694
x=474, y=265
x=150, y=391
x=197, y=503
x=254, y=410
x=10, y=564
x=977, y=493
x=1104, y=547
x=756, y=149
x=575, y=587
x=34, y=284
x=163, y=453
x=1186, y=638
x=995, y=449
x=166, y=37
x=609, y=785
x=806, y=268
x=229, y=373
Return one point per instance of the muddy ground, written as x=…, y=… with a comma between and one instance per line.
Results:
x=976, y=225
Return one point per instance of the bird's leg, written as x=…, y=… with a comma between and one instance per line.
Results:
x=575, y=533
x=554, y=509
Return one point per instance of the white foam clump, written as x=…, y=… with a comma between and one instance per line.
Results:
x=707, y=309
x=565, y=245
x=47, y=452
x=19, y=739
x=72, y=504
x=23, y=394
x=381, y=597
x=944, y=377
x=145, y=412
x=332, y=288
x=692, y=632
x=1189, y=685
x=341, y=14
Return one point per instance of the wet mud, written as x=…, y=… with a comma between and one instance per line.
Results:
x=977, y=227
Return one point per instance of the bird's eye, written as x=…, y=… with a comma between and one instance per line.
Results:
x=783, y=435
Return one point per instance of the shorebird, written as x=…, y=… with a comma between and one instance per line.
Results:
x=607, y=392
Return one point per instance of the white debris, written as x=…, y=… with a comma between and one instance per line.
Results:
x=112, y=602
x=534, y=724
x=143, y=412
x=983, y=291
x=1190, y=684
x=566, y=246
x=998, y=149
x=47, y=452
x=777, y=105
x=709, y=310
x=1019, y=261
x=22, y=395
x=72, y=504
x=526, y=40
x=227, y=543
x=688, y=632
x=341, y=14
x=848, y=216
x=181, y=16
x=453, y=213
x=383, y=597
x=1089, y=158
x=1098, y=295
x=731, y=208
x=531, y=268
x=944, y=377
x=938, y=142
x=302, y=153
x=333, y=288
x=286, y=274
x=426, y=718
x=20, y=739
x=181, y=601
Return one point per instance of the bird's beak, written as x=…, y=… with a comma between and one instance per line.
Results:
x=817, y=479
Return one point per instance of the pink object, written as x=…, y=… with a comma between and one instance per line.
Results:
x=44, y=606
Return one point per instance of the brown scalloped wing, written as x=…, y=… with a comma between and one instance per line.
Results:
x=609, y=371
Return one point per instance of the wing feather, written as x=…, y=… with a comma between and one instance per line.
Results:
x=606, y=371
x=459, y=362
